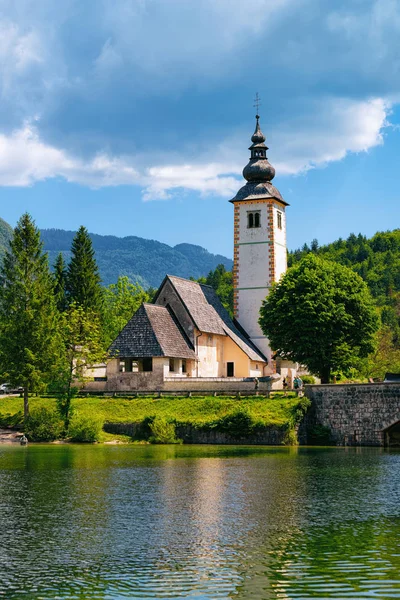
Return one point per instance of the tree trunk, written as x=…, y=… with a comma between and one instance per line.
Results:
x=325, y=375
x=26, y=402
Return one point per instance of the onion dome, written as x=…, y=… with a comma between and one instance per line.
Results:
x=258, y=169
x=258, y=172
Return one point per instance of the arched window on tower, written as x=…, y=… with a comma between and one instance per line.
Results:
x=254, y=219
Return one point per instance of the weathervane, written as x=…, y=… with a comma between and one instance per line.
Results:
x=257, y=102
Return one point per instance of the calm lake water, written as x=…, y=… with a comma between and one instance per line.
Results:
x=107, y=522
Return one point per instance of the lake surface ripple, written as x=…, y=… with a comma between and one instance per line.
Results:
x=107, y=522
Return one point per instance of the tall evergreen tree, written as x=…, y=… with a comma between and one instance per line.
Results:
x=29, y=344
x=60, y=281
x=83, y=279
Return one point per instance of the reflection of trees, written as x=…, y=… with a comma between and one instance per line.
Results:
x=147, y=521
x=47, y=513
x=344, y=544
x=343, y=558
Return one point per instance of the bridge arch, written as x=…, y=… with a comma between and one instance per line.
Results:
x=391, y=435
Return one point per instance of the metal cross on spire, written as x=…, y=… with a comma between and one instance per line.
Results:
x=257, y=102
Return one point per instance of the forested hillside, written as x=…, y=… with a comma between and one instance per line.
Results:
x=377, y=260
x=5, y=236
x=143, y=261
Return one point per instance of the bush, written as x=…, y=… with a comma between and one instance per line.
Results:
x=237, y=424
x=308, y=379
x=12, y=420
x=162, y=431
x=290, y=437
x=85, y=429
x=43, y=425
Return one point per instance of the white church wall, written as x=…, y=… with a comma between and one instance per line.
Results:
x=253, y=234
x=250, y=301
x=208, y=364
x=280, y=242
x=255, y=258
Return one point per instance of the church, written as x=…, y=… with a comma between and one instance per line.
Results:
x=186, y=339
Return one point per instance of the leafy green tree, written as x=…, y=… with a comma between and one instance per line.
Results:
x=60, y=281
x=121, y=301
x=321, y=315
x=83, y=279
x=29, y=342
x=221, y=281
x=81, y=339
x=385, y=358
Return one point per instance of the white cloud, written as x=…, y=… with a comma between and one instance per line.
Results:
x=208, y=178
x=26, y=159
x=340, y=127
x=336, y=128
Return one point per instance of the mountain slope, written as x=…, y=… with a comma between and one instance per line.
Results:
x=6, y=233
x=145, y=261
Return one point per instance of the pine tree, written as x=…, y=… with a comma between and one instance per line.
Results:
x=28, y=318
x=83, y=279
x=60, y=280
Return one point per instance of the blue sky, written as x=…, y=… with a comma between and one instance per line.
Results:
x=133, y=117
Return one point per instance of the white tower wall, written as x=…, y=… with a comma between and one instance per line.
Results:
x=259, y=261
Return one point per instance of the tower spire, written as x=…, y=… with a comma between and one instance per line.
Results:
x=258, y=169
x=257, y=104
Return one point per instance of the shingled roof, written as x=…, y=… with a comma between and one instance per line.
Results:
x=152, y=331
x=210, y=316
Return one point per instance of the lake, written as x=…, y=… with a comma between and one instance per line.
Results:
x=107, y=522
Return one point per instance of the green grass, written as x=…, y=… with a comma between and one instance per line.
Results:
x=198, y=411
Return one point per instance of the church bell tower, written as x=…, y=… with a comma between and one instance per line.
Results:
x=259, y=240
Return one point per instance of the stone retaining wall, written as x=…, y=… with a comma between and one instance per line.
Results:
x=356, y=414
x=268, y=436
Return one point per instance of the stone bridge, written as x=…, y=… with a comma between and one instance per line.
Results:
x=356, y=415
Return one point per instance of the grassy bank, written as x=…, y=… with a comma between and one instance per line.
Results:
x=199, y=412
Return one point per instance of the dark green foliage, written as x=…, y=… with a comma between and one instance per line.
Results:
x=221, y=281
x=12, y=420
x=308, y=379
x=376, y=260
x=299, y=410
x=29, y=347
x=85, y=428
x=162, y=431
x=6, y=233
x=238, y=424
x=81, y=343
x=321, y=315
x=83, y=279
x=121, y=301
x=144, y=261
x=60, y=283
x=43, y=425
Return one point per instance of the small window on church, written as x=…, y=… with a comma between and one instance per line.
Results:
x=147, y=364
x=254, y=219
x=171, y=365
x=279, y=214
x=184, y=367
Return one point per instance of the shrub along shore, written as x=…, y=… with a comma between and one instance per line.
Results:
x=157, y=419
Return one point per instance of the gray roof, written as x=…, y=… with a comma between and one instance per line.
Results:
x=152, y=331
x=202, y=313
x=258, y=191
x=210, y=316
